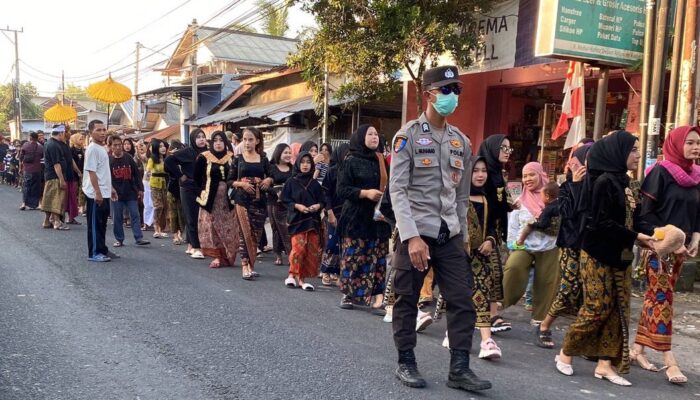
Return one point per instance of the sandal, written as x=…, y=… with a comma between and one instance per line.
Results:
x=498, y=324
x=118, y=244
x=74, y=222
x=307, y=287
x=614, y=379
x=543, y=338
x=215, y=264
x=564, y=368
x=246, y=273
x=642, y=361
x=278, y=261
x=674, y=375
x=346, y=303
x=290, y=283
x=326, y=280
x=61, y=227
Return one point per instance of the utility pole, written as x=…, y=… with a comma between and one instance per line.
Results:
x=646, y=82
x=687, y=85
x=195, y=97
x=18, y=92
x=672, y=105
x=324, y=131
x=134, y=113
x=657, y=83
x=600, y=103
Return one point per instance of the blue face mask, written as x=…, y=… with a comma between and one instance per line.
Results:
x=445, y=104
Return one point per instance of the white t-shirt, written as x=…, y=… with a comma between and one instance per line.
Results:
x=97, y=160
x=537, y=240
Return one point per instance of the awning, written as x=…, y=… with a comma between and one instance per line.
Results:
x=275, y=111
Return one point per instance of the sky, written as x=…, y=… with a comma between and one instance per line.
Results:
x=87, y=39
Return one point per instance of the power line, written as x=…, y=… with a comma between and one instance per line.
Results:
x=143, y=27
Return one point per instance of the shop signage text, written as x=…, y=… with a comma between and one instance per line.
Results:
x=607, y=31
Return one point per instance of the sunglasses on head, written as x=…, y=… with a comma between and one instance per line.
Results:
x=451, y=89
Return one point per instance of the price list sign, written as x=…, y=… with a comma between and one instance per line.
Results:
x=608, y=31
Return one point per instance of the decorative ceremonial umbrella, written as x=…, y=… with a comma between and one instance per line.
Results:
x=109, y=91
x=60, y=113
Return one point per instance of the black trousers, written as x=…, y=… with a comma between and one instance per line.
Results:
x=97, y=216
x=190, y=209
x=31, y=190
x=454, y=277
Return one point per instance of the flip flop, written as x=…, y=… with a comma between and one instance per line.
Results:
x=118, y=244
x=61, y=227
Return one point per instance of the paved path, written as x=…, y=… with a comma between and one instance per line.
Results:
x=158, y=325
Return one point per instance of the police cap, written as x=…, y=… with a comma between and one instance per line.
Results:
x=437, y=77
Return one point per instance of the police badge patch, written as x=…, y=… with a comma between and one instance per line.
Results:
x=399, y=143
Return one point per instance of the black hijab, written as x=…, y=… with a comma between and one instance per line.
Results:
x=607, y=156
x=303, y=176
x=227, y=144
x=338, y=156
x=357, y=144
x=306, y=147
x=581, y=153
x=477, y=191
x=490, y=149
x=193, y=140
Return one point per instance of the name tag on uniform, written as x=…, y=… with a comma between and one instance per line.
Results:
x=425, y=150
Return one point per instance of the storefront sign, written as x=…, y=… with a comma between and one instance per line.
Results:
x=498, y=32
x=608, y=31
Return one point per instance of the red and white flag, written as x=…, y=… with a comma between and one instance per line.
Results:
x=573, y=107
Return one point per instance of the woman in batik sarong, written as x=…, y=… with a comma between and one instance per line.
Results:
x=217, y=224
x=670, y=195
x=281, y=170
x=568, y=299
x=608, y=203
x=362, y=226
x=330, y=265
x=303, y=196
x=251, y=179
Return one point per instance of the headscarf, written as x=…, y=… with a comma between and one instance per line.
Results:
x=490, y=149
x=531, y=199
x=307, y=146
x=303, y=176
x=193, y=140
x=338, y=156
x=473, y=190
x=684, y=171
x=673, y=147
x=608, y=155
x=358, y=148
x=296, y=149
x=227, y=144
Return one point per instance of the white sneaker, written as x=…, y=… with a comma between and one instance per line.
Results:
x=489, y=350
x=423, y=320
x=388, y=315
x=446, y=341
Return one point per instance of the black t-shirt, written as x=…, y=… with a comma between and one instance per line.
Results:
x=67, y=163
x=125, y=177
x=53, y=154
x=4, y=148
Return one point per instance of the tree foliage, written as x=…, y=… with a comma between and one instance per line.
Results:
x=7, y=109
x=371, y=41
x=274, y=17
x=77, y=92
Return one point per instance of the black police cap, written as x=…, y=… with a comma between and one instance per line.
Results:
x=434, y=78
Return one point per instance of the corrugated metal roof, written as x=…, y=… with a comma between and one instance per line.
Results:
x=251, y=48
x=275, y=111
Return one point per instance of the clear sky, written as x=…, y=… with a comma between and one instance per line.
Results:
x=87, y=38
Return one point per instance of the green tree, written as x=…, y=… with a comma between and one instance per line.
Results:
x=371, y=41
x=77, y=92
x=7, y=109
x=274, y=17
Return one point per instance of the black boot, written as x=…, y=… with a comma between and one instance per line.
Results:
x=407, y=371
x=461, y=377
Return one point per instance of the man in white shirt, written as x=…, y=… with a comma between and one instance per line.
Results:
x=97, y=186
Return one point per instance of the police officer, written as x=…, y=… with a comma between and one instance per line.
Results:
x=429, y=189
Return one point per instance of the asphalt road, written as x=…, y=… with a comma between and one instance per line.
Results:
x=156, y=324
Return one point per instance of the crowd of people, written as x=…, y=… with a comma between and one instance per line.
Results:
x=447, y=216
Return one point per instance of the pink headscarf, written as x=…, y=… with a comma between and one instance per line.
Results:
x=296, y=148
x=673, y=147
x=531, y=199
